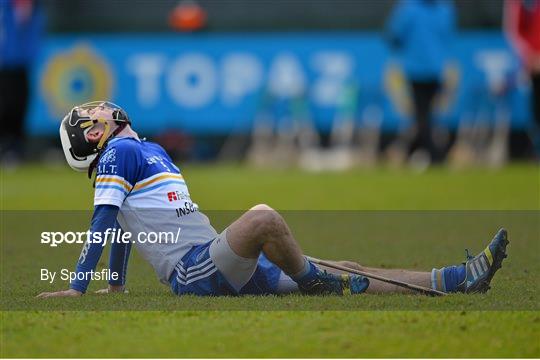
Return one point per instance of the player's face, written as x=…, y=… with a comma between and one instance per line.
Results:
x=96, y=132
x=100, y=112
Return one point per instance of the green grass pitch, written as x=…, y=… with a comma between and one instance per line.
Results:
x=403, y=219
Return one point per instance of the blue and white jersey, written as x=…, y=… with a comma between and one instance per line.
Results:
x=141, y=179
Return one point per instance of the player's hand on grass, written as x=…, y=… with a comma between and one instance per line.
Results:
x=112, y=289
x=63, y=293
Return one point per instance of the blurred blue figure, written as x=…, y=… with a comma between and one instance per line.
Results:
x=420, y=31
x=21, y=25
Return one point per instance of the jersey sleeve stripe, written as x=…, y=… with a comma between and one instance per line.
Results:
x=114, y=187
x=142, y=191
x=152, y=180
x=120, y=181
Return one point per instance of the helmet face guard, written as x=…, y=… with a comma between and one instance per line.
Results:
x=80, y=152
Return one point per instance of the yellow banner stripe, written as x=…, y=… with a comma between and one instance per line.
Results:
x=112, y=180
x=138, y=186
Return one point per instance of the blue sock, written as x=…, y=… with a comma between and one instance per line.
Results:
x=447, y=278
x=306, y=275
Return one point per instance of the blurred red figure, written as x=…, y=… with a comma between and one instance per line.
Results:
x=522, y=25
x=188, y=16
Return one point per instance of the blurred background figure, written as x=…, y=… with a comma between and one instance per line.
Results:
x=421, y=31
x=483, y=133
x=522, y=25
x=21, y=25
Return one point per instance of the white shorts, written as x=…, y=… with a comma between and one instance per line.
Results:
x=239, y=270
x=236, y=269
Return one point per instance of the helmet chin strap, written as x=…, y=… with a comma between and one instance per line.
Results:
x=107, y=135
x=106, y=132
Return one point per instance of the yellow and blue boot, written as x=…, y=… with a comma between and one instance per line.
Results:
x=474, y=275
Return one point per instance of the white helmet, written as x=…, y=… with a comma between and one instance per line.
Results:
x=79, y=152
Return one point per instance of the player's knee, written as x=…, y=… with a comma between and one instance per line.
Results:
x=265, y=221
x=262, y=207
